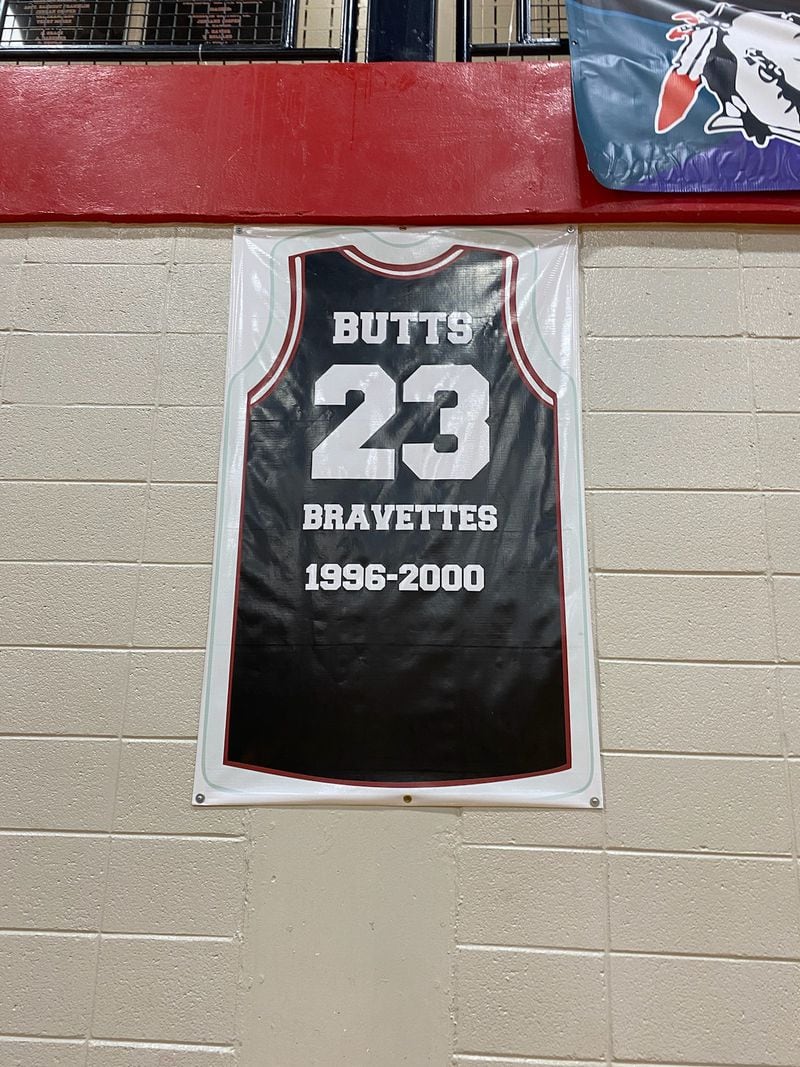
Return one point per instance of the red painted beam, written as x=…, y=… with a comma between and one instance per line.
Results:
x=431, y=143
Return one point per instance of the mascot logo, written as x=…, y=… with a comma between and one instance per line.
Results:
x=749, y=60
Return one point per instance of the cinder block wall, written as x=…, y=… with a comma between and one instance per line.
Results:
x=137, y=932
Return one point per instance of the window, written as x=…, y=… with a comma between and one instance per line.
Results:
x=177, y=29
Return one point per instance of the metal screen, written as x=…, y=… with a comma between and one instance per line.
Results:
x=252, y=22
x=59, y=22
x=511, y=29
x=145, y=30
x=177, y=29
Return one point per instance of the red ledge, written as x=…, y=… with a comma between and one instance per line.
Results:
x=433, y=144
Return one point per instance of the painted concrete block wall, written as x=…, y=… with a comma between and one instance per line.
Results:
x=138, y=932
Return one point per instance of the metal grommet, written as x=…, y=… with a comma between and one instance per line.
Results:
x=407, y=798
x=595, y=802
x=200, y=798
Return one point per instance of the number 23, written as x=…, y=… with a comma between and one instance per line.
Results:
x=342, y=453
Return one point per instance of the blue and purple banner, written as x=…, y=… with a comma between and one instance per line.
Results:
x=703, y=97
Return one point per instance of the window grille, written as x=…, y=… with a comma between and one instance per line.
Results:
x=511, y=29
x=177, y=29
x=225, y=30
x=60, y=22
x=252, y=22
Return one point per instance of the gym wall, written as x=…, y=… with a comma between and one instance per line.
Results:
x=139, y=932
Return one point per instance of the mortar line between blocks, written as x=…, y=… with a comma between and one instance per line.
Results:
x=770, y=574
x=100, y=648
x=121, y=835
x=593, y=573
x=127, y=564
x=689, y=490
x=158, y=1046
x=241, y=935
x=114, y=935
x=14, y=309
x=792, y=412
x=652, y=753
x=132, y=1043
x=607, y=935
x=525, y=1061
x=167, y=272
x=3, y=358
x=144, y=738
x=457, y=847
x=666, y=490
x=618, y=850
x=599, y=953
x=112, y=483
x=44, y=1039
x=141, y=405
x=200, y=481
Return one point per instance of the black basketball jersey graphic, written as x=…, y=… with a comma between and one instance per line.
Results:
x=399, y=614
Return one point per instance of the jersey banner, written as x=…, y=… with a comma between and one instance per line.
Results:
x=399, y=607
x=703, y=97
